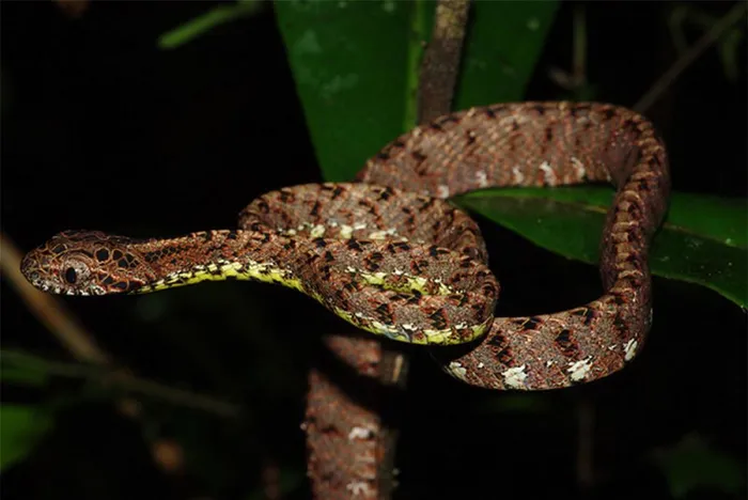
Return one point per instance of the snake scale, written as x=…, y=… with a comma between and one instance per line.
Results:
x=389, y=255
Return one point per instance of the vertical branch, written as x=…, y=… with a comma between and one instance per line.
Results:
x=441, y=63
x=438, y=78
x=351, y=446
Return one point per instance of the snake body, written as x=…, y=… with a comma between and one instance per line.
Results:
x=388, y=255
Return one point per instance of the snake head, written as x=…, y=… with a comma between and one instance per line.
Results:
x=85, y=263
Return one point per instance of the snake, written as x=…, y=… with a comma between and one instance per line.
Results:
x=390, y=254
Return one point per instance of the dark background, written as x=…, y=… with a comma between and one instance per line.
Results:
x=102, y=130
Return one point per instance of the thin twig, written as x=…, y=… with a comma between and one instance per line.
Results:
x=688, y=57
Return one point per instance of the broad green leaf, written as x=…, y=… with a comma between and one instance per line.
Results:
x=21, y=429
x=694, y=464
x=214, y=17
x=702, y=241
x=356, y=64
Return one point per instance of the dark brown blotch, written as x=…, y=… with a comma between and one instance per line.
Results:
x=532, y=323
x=263, y=206
x=315, y=209
x=609, y=113
x=418, y=156
x=286, y=196
x=386, y=194
x=438, y=319
x=564, y=342
x=384, y=311
x=102, y=254
x=585, y=312
x=470, y=137
x=539, y=109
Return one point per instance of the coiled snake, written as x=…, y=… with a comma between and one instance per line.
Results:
x=388, y=255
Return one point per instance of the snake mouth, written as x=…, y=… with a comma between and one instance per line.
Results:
x=30, y=270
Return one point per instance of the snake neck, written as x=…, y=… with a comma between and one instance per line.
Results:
x=213, y=255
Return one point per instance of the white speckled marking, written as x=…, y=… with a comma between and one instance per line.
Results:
x=360, y=433
x=515, y=377
x=579, y=169
x=518, y=176
x=346, y=231
x=580, y=369
x=457, y=370
x=317, y=231
x=358, y=488
x=482, y=178
x=442, y=191
x=548, y=173
x=481, y=365
x=630, y=349
x=381, y=235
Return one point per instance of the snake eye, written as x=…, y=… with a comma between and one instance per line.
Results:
x=74, y=272
x=71, y=276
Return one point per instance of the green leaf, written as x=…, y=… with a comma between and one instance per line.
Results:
x=22, y=369
x=21, y=429
x=355, y=65
x=703, y=240
x=694, y=464
x=214, y=17
x=23, y=375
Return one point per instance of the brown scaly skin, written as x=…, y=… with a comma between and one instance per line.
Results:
x=524, y=144
x=549, y=144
